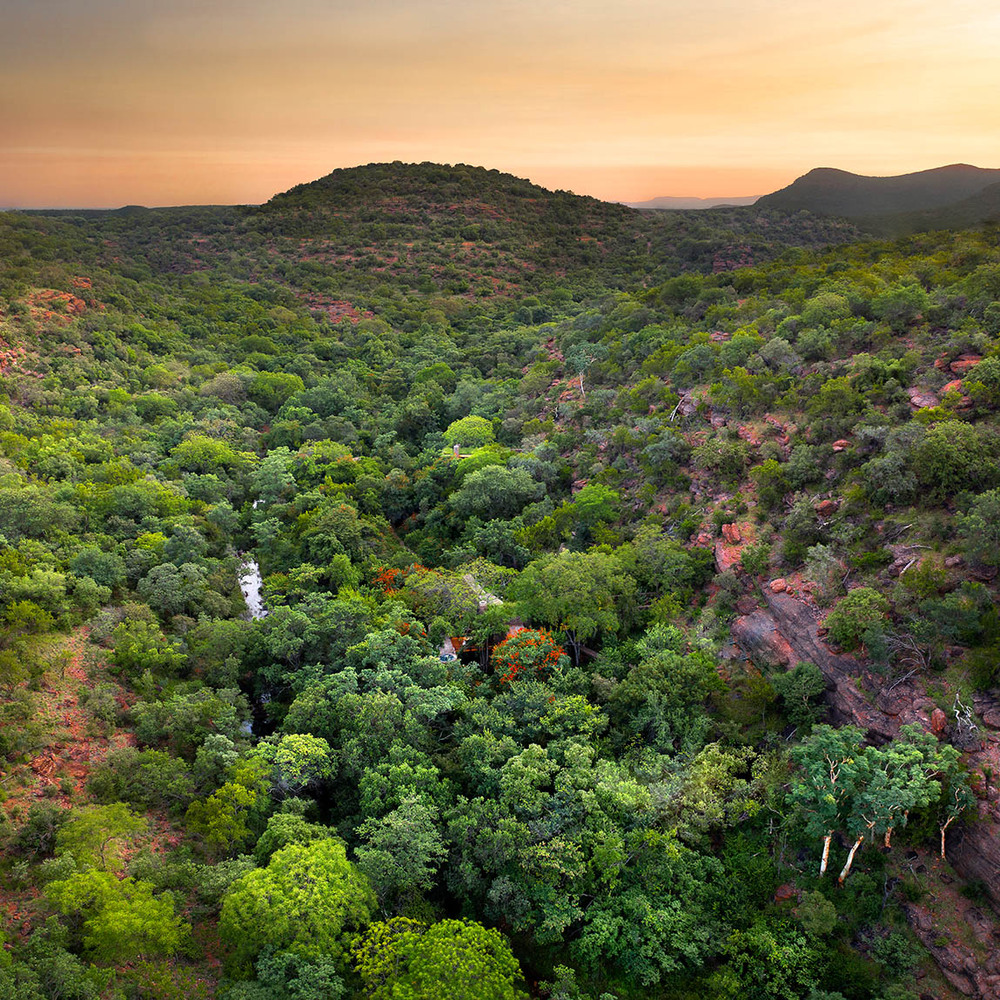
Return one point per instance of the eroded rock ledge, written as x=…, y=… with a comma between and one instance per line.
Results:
x=787, y=629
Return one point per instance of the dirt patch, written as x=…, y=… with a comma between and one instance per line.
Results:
x=59, y=771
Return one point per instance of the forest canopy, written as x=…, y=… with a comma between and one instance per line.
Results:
x=628, y=616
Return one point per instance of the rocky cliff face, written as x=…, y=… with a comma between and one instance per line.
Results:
x=971, y=966
x=787, y=629
x=974, y=848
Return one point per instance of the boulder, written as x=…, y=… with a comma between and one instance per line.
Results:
x=962, y=366
x=758, y=637
x=726, y=556
x=921, y=399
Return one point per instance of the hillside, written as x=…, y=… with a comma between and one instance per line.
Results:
x=632, y=618
x=877, y=200
x=375, y=239
x=981, y=208
x=398, y=191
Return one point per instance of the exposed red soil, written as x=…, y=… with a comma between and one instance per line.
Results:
x=11, y=358
x=74, y=748
x=47, y=305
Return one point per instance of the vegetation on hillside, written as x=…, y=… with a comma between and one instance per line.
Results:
x=514, y=466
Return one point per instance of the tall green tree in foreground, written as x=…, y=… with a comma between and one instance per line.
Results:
x=822, y=790
x=458, y=959
x=309, y=900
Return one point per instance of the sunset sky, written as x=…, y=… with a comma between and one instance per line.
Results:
x=158, y=102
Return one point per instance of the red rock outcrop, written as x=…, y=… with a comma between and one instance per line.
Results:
x=788, y=630
x=731, y=533
x=967, y=971
x=921, y=399
x=729, y=547
x=964, y=363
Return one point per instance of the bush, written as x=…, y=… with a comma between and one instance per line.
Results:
x=862, y=611
x=36, y=838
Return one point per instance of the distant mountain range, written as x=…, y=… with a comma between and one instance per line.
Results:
x=684, y=204
x=956, y=196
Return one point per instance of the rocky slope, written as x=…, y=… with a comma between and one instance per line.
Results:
x=787, y=629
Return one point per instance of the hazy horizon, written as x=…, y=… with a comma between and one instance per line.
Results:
x=553, y=187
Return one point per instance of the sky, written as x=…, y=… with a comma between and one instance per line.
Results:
x=163, y=102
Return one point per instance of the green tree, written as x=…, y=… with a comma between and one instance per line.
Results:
x=799, y=688
x=297, y=760
x=96, y=836
x=956, y=794
x=139, y=646
x=578, y=593
x=286, y=975
x=458, y=959
x=185, y=721
x=768, y=962
x=955, y=456
x=121, y=919
x=981, y=530
x=495, y=492
x=657, y=920
x=771, y=482
x=581, y=357
x=286, y=828
x=663, y=697
x=823, y=788
x=469, y=432
x=309, y=900
x=225, y=820
x=817, y=914
x=858, y=615
x=271, y=389
x=401, y=852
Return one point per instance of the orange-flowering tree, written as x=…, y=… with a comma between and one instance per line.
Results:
x=388, y=578
x=528, y=649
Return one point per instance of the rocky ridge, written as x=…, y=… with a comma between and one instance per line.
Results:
x=787, y=629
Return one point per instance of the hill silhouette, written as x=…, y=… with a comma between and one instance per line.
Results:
x=925, y=199
x=440, y=192
x=470, y=228
x=981, y=208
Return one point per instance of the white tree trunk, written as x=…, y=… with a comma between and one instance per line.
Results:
x=944, y=830
x=826, y=854
x=850, y=860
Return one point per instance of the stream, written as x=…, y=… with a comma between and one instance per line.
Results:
x=251, y=584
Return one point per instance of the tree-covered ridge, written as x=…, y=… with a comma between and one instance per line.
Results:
x=958, y=196
x=494, y=717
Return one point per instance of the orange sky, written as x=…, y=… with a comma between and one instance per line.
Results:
x=111, y=102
